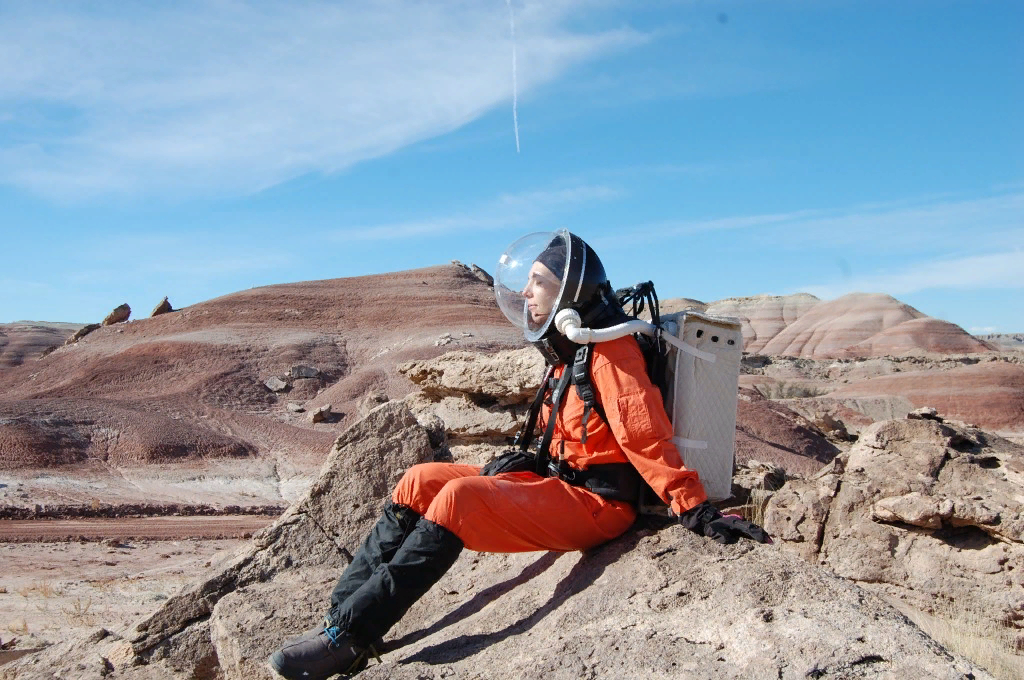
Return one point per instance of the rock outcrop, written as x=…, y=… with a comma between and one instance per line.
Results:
x=927, y=512
x=507, y=378
x=769, y=431
x=480, y=398
x=659, y=601
x=119, y=314
x=81, y=333
x=1006, y=341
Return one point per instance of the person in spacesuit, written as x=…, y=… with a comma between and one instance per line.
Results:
x=578, y=491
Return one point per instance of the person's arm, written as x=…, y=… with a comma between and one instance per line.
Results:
x=637, y=419
x=640, y=425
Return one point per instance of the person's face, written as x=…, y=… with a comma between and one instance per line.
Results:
x=540, y=292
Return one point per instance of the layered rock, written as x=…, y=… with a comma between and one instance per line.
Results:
x=480, y=398
x=506, y=378
x=930, y=513
x=863, y=324
x=659, y=601
x=990, y=394
x=26, y=340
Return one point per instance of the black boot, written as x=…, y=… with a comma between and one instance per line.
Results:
x=377, y=605
x=318, y=657
x=425, y=556
x=380, y=546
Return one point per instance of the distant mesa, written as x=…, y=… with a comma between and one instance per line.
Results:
x=120, y=314
x=163, y=308
x=1004, y=341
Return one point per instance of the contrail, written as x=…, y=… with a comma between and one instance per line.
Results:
x=515, y=85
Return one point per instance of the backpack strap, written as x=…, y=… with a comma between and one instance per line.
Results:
x=585, y=387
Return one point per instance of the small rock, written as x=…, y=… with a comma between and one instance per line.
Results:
x=119, y=314
x=319, y=415
x=275, y=384
x=162, y=308
x=443, y=339
x=372, y=401
x=295, y=407
x=924, y=413
x=302, y=371
x=98, y=635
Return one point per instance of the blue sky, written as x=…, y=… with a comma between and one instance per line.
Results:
x=193, y=149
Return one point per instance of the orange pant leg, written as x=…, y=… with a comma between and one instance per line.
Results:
x=517, y=512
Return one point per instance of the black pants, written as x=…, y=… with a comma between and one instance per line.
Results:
x=399, y=561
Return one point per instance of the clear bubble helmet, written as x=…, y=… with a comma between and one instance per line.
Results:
x=545, y=272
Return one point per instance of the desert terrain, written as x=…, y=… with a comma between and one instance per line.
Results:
x=137, y=461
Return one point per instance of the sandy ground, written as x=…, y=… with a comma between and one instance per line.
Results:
x=50, y=591
x=133, y=528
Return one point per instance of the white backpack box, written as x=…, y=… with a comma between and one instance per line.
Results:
x=703, y=368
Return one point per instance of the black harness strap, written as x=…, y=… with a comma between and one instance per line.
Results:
x=549, y=431
x=524, y=437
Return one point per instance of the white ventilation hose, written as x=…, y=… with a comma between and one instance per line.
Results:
x=569, y=324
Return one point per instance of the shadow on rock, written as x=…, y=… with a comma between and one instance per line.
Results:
x=583, y=574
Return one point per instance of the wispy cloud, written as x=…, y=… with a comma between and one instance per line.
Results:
x=993, y=270
x=237, y=96
x=507, y=210
x=927, y=222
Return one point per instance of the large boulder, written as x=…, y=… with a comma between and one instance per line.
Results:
x=927, y=512
x=119, y=314
x=162, y=307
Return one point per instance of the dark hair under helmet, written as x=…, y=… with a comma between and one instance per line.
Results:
x=583, y=286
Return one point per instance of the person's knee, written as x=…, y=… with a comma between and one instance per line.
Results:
x=457, y=501
x=410, y=489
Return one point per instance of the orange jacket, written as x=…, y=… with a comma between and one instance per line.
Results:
x=638, y=429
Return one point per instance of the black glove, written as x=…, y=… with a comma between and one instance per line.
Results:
x=706, y=520
x=510, y=461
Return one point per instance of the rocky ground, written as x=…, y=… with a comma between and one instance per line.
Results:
x=658, y=602
x=234, y=404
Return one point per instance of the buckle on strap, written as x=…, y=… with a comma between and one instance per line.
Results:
x=562, y=471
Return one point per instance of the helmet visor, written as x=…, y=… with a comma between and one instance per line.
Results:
x=530, y=279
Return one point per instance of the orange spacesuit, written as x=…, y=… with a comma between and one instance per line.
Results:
x=521, y=511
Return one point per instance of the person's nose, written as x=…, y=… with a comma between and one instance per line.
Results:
x=527, y=291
